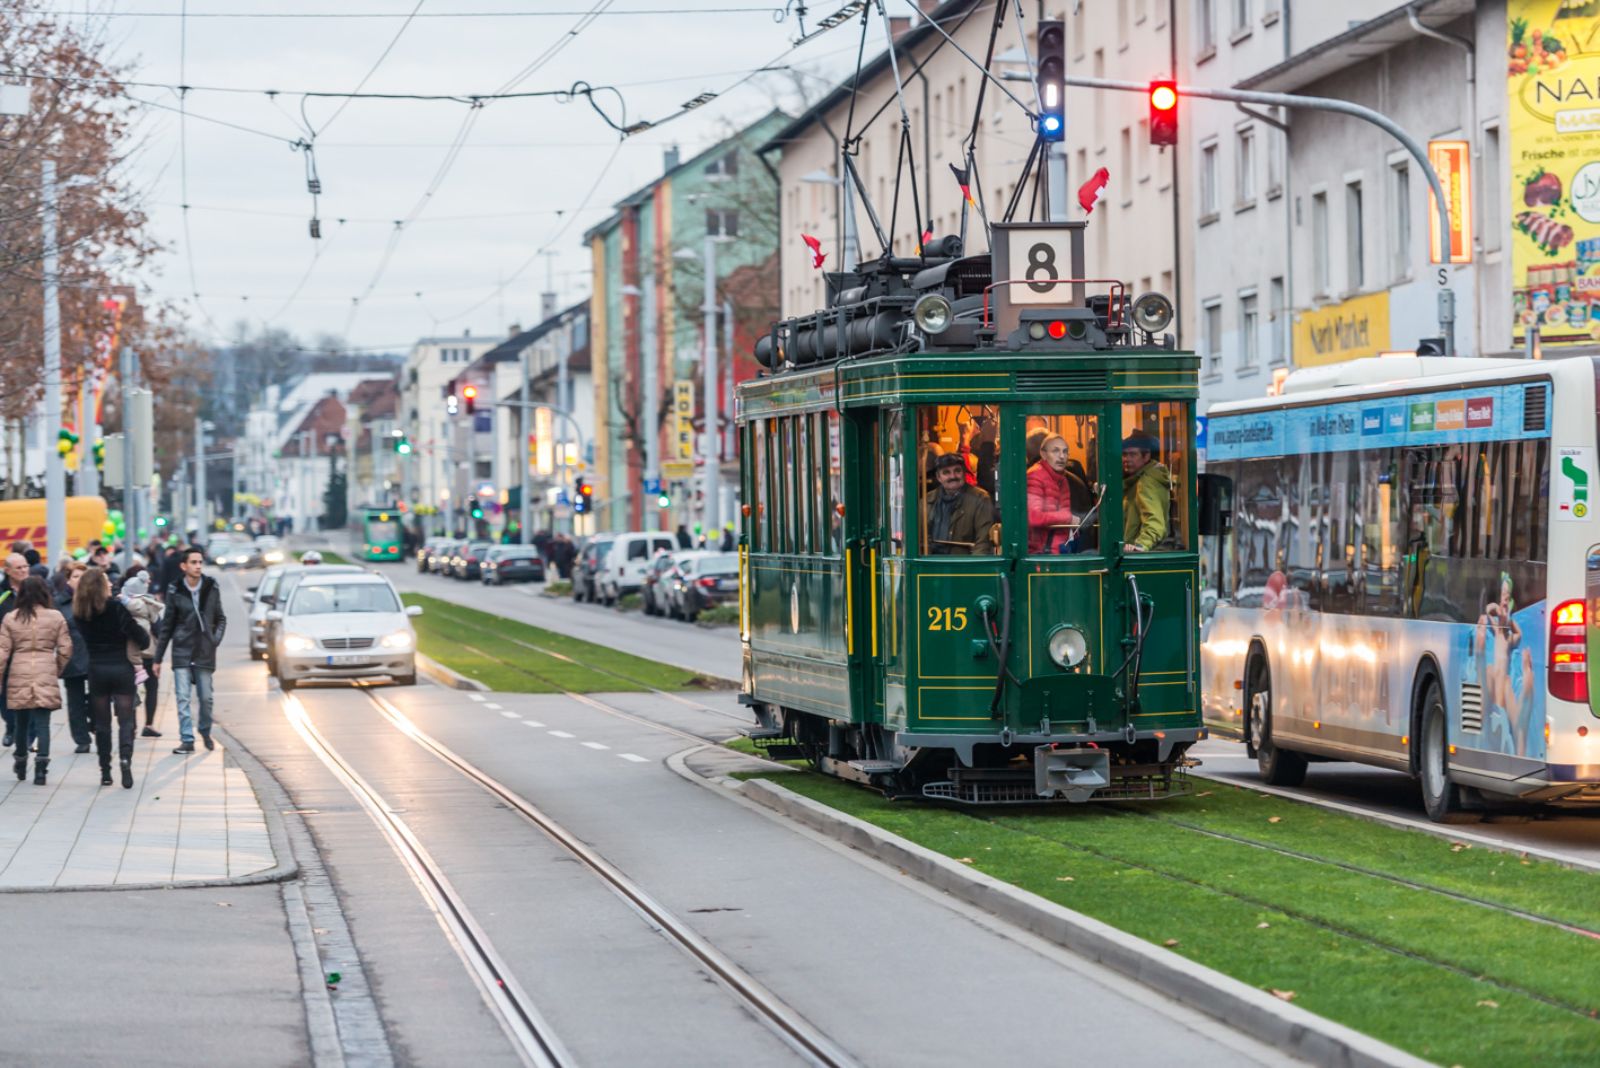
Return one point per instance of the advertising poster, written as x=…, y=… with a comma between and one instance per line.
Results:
x=1553, y=84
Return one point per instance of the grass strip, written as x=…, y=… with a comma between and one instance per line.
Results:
x=454, y=635
x=1450, y=981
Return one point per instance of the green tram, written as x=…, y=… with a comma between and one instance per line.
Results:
x=380, y=534
x=890, y=634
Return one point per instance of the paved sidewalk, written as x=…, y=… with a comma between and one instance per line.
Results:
x=187, y=818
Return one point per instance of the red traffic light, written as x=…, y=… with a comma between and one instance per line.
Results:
x=1163, y=113
x=470, y=392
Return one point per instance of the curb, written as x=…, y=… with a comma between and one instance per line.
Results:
x=283, y=871
x=1294, y=1030
x=445, y=676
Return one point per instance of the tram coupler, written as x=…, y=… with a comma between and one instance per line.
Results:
x=1075, y=774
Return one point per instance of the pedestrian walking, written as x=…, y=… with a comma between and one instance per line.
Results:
x=192, y=627
x=684, y=541
x=75, y=678
x=35, y=647
x=16, y=574
x=562, y=553
x=107, y=628
x=148, y=611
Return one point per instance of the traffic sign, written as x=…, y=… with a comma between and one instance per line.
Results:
x=675, y=469
x=652, y=485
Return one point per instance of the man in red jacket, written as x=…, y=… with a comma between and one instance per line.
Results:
x=1049, y=497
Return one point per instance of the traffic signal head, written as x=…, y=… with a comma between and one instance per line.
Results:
x=664, y=500
x=1163, y=113
x=452, y=404
x=470, y=395
x=1052, y=80
x=582, y=497
x=477, y=510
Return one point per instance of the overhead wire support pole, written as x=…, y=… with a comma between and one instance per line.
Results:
x=1447, y=327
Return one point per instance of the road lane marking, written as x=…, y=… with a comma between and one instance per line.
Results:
x=634, y=757
x=494, y=706
x=511, y=715
x=532, y=723
x=476, y=697
x=595, y=745
x=561, y=734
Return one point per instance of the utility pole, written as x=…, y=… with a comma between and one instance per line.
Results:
x=202, y=507
x=55, y=475
x=711, y=517
x=652, y=389
x=525, y=484
x=125, y=372
x=448, y=469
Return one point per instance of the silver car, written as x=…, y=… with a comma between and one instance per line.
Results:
x=344, y=626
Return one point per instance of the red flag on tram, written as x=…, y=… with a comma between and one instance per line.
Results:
x=1089, y=192
x=815, y=245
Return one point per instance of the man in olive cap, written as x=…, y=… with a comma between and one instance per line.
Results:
x=1146, y=494
x=960, y=517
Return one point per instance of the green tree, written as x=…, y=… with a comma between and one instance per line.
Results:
x=334, y=512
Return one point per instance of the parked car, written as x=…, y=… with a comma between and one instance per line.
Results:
x=650, y=588
x=344, y=626
x=468, y=562
x=260, y=605
x=292, y=574
x=622, y=572
x=426, y=552
x=704, y=581
x=586, y=568
x=512, y=563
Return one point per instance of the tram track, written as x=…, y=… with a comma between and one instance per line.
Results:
x=793, y=1028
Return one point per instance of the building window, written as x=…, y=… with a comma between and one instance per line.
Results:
x=1122, y=24
x=1400, y=181
x=1278, y=321
x=1273, y=150
x=1241, y=16
x=1142, y=147
x=1208, y=180
x=1245, y=166
x=1211, y=338
x=1139, y=12
x=1249, y=330
x=722, y=222
x=1205, y=28
x=1488, y=189
x=1078, y=36
x=1355, y=276
x=1319, y=244
x=1125, y=161
x=725, y=166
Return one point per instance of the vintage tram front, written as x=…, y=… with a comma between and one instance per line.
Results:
x=969, y=559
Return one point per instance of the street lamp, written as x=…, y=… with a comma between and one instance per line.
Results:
x=712, y=517
x=55, y=472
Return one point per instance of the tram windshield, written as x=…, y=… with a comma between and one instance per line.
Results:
x=1063, y=475
x=1155, y=514
x=958, y=461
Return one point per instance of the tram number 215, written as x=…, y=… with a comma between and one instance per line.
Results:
x=947, y=619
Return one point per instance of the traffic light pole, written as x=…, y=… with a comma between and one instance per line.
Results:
x=1447, y=303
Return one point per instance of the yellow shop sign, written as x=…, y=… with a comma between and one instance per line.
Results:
x=1345, y=331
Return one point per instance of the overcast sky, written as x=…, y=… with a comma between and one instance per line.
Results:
x=496, y=205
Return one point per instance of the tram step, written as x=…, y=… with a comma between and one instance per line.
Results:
x=874, y=767
x=757, y=733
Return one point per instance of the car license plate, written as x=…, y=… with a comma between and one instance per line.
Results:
x=347, y=661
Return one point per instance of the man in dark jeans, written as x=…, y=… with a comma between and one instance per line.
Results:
x=192, y=625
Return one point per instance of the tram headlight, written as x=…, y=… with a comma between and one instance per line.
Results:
x=1067, y=646
x=932, y=313
x=1152, y=312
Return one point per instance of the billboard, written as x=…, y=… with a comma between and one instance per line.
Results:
x=1345, y=331
x=1552, y=64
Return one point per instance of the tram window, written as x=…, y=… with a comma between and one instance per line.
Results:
x=818, y=496
x=958, y=461
x=798, y=463
x=1063, y=478
x=1155, y=476
x=835, y=483
x=894, y=481
x=784, y=465
x=758, y=475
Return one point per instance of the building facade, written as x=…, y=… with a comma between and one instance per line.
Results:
x=435, y=474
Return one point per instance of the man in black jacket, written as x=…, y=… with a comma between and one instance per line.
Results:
x=192, y=625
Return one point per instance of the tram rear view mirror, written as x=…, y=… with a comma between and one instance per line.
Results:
x=1216, y=505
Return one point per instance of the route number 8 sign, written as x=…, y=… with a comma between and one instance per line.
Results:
x=1038, y=259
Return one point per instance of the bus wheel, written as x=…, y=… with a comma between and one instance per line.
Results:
x=1440, y=796
x=1278, y=767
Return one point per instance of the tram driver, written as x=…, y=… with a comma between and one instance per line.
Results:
x=960, y=516
x=1146, y=494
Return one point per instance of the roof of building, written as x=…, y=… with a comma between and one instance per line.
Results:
x=511, y=348
x=1361, y=41
x=323, y=419
x=870, y=71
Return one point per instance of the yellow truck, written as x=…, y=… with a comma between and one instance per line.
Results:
x=24, y=520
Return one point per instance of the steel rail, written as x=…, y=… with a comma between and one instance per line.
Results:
x=798, y=1032
x=533, y=1037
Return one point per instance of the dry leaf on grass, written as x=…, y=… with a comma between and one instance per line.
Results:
x=1169, y=943
x=1274, y=819
x=1456, y=847
x=1283, y=995
x=964, y=860
x=1263, y=926
x=1203, y=793
x=1486, y=1003
x=1065, y=879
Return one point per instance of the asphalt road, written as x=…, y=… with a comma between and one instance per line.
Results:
x=889, y=971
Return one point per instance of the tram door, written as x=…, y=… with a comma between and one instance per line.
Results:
x=875, y=564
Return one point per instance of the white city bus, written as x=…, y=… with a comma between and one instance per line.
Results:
x=1412, y=575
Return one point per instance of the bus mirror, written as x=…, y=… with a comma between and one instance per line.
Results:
x=1216, y=505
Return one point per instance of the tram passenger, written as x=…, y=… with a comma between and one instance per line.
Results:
x=1146, y=494
x=1049, y=497
x=960, y=517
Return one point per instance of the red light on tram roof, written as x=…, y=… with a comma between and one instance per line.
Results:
x=1058, y=329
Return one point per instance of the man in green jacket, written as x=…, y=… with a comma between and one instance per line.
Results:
x=1146, y=494
x=960, y=518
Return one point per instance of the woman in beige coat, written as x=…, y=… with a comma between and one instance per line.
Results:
x=35, y=646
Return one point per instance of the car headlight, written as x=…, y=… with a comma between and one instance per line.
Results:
x=1067, y=646
x=400, y=639
x=298, y=643
x=274, y=556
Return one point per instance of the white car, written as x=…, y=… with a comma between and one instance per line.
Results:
x=263, y=603
x=271, y=550
x=344, y=625
x=622, y=572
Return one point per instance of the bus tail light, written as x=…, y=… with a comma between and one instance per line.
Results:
x=1569, y=654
